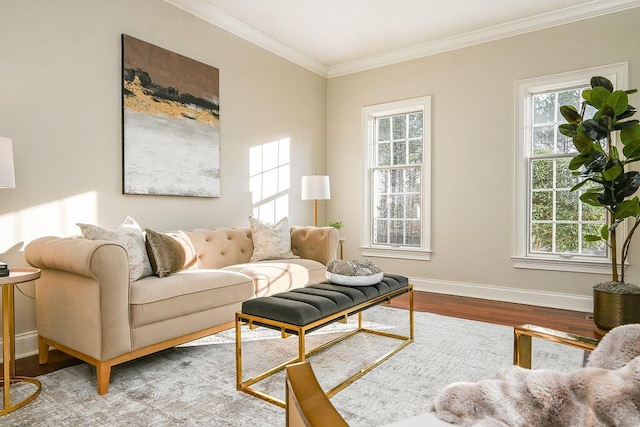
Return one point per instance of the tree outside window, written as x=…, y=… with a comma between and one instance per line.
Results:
x=558, y=219
x=397, y=181
x=550, y=220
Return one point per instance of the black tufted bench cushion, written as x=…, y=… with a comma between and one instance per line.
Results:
x=309, y=304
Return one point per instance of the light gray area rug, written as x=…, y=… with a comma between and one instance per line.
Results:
x=194, y=385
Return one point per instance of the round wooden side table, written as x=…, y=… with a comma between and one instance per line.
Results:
x=17, y=275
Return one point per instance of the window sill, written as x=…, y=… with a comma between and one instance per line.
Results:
x=571, y=265
x=419, y=255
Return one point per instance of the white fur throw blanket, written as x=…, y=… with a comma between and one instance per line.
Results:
x=604, y=393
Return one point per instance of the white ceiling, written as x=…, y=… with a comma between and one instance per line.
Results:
x=337, y=37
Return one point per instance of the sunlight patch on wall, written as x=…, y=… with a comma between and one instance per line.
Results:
x=57, y=218
x=269, y=180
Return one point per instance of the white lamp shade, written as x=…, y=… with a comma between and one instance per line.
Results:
x=316, y=187
x=7, y=176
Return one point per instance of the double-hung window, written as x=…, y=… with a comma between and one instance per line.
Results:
x=551, y=221
x=397, y=150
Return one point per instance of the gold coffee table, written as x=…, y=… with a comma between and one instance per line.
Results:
x=17, y=275
x=522, y=335
x=288, y=329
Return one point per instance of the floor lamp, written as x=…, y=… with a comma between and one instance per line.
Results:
x=315, y=187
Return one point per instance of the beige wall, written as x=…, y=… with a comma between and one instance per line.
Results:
x=473, y=151
x=60, y=103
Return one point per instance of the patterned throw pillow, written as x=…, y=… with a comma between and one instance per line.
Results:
x=271, y=241
x=130, y=236
x=168, y=251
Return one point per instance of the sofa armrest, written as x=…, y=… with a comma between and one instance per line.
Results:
x=316, y=243
x=71, y=254
x=82, y=295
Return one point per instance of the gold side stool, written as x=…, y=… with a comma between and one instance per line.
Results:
x=17, y=275
x=522, y=335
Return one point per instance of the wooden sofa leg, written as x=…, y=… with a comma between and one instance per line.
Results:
x=104, y=372
x=43, y=351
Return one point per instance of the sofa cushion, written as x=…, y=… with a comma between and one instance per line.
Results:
x=130, y=236
x=154, y=299
x=273, y=276
x=221, y=247
x=271, y=241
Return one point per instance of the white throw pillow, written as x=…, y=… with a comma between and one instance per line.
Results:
x=130, y=236
x=271, y=241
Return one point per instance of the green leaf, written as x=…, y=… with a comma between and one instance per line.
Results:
x=592, y=129
x=625, y=125
x=601, y=82
x=578, y=161
x=627, y=185
x=604, y=232
x=598, y=164
x=570, y=114
x=581, y=142
x=579, y=185
x=591, y=238
x=618, y=101
x=631, y=151
x=606, y=199
x=599, y=96
x=590, y=198
x=612, y=173
x=630, y=135
x=568, y=129
x=630, y=112
x=628, y=208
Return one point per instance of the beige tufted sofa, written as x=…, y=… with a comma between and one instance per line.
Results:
x=87, y=307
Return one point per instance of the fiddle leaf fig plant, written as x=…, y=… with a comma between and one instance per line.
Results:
x=601, y=168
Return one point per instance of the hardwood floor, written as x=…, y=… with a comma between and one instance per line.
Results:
x=502, y=313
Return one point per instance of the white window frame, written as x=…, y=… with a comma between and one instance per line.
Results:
x=369, y=115
x=618, y=75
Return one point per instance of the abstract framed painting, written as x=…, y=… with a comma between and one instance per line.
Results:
x=171, y=123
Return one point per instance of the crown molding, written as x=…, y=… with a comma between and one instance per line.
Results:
x=522, y=26
x=215, y=16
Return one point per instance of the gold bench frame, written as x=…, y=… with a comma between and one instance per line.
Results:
x=287, y=329
x=522, y=335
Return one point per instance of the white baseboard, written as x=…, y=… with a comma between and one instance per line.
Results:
x=26, y=345
x=496, y=293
